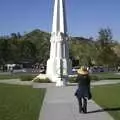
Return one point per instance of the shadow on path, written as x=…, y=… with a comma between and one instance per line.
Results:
x=105, y=109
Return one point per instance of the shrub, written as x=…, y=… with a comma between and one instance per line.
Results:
x=26, y=77
x=94, y=78
x=72, y=79
x=42, y=80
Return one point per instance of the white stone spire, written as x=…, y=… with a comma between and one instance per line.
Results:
x=59, y=64
x=59, y=17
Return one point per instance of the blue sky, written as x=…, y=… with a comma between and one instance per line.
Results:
x=84, y=17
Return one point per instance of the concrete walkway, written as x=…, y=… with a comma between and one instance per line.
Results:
x=61, y=104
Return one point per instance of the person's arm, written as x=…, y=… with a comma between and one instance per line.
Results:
x=88, y=80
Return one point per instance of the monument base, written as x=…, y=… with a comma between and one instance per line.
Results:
x=59, y=83
x=58, y=70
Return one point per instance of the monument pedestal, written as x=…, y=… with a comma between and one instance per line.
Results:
x=58, y=71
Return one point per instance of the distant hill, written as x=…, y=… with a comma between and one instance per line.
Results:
x=40, y=35
x=36, y=35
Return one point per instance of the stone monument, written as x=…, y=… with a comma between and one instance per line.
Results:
x=59, y=64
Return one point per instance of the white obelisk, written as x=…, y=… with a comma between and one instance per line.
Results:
x=59, y=64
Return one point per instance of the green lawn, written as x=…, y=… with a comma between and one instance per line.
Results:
x=107, y=76
x=20, y=102
x=100, y=76
x=9, y=76
x=108, y=97
x=14, y=76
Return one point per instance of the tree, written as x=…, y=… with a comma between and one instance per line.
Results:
x=106, y=56
x=84, y=52
x=15, y=36
x=5, y=51
x=27, y=50
x=105, y=37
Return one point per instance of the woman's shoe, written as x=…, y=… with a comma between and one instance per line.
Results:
x=80, y=110
x=84, y=110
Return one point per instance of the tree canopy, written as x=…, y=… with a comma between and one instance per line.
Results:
x=34, y=47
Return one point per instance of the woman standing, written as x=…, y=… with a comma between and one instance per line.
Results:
x=83, y=91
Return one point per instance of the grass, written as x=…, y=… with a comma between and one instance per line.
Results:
x=14, y=76
x=107, y=76
x=20, y=102
x=108, y=97
x=99, y=76
x=10, y=76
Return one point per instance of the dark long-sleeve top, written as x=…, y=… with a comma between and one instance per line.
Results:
x=83, y=89
x=83, y=80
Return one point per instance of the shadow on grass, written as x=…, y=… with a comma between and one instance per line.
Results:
x=105, y=109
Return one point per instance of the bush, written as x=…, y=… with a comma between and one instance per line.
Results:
x=94, y=78
x=72, y=79
x=26, y=77
x=106, y=76
x=42, y=80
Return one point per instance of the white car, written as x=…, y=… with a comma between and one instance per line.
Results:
x=75, y=69
x=19, y=70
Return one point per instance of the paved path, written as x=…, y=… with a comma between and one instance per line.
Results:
x=61, y=104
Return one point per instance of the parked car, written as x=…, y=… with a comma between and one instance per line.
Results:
x=19, y=71
x=75, y=69
x=43, y=69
